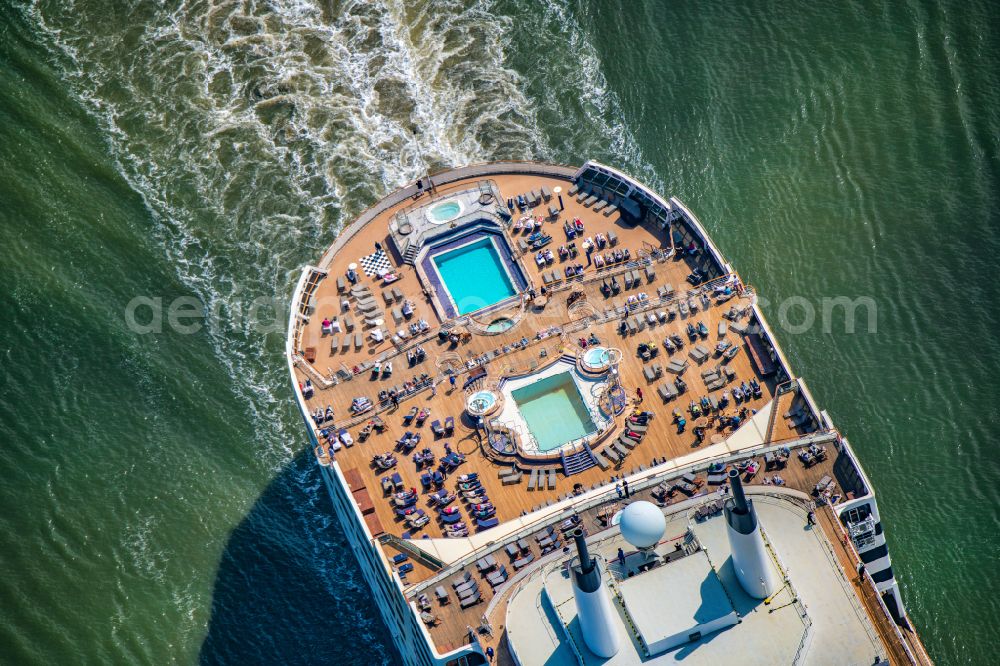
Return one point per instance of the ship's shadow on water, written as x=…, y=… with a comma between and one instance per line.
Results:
x=288, y=588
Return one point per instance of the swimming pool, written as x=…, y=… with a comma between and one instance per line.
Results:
x=474, y=276
x=554, y=411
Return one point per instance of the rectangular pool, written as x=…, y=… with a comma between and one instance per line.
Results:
x=554, y=411
x=474, y=276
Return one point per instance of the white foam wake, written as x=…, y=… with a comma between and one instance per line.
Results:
x=254, y=129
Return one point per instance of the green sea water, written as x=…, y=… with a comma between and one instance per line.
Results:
x=157, y=503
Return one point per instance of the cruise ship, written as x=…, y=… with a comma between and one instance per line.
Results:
x=557, y=429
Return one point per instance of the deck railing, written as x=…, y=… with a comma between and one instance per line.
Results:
x=869, y=589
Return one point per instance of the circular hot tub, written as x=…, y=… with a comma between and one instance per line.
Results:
x=596, y=359
x=482, y=403
x=444, y=211
x=500, y=325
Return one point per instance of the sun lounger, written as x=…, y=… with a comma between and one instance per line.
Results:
x=346, y=344
x=553, y=211
x=716, y=384
x=545, y=192
x=397, y=293
x=650, y=273
x=573, y=190
x=583, y=194
x=610, y=210
x=442, y=594
x=334, y=343
x=512, y=479
x=699, y=353
x=601, y=462
x=472, y=601
x=677, y=367
x=397, y=315
x=667, y=391
x=341, y=284
x=359, y=341
x=552, y=479
x=620, y=450
x=485, y=564
x=488, y=523
x=590, y=201
x=626, y=442
x=533, y=480
x=611, y=455
x=633, y=326
x=549, y=532
x=650, y=374
x=387, y=296
x=722, y=329
x=498, y=577
x=522, y=562
x=506, y=471
x=522, y=245
x=348, y=323
x=600, y=205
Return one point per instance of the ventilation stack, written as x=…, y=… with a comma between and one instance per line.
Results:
x=593, y=603
x=751, y=560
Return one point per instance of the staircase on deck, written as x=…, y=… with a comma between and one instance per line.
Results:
x=577, y=462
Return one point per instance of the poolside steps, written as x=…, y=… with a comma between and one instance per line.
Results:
x=578, y=462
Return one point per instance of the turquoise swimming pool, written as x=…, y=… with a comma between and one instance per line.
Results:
x=474, y=276
x=554, y=411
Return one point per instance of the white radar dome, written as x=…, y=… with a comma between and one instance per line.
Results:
x=642, y=524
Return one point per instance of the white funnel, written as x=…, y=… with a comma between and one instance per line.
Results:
x=593, y=603
x=751, y=561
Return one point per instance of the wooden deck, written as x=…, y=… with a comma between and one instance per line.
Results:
x=662, y=441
